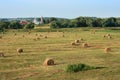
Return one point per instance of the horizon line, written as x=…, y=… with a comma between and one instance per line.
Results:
x=60, y=17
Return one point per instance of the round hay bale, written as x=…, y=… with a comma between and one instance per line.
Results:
x=2, y=54
x=15, y=34
x=73, y=43
x=48, y=61
x=108, y=49
x=41, y=35
x=45, y=37
x=109, y=37
x=77, y=41
x=37, y=38
x=63, y=35
x=29, y=32
x=34, y=39
x=104, y=36
x=19, y=50
x=85, y=45
x=81, y=39
x=36, y=34
x=23, y=36
x=0, y=37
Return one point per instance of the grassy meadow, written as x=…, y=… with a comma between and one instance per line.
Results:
x=29, y=65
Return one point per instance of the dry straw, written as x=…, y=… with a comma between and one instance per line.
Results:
x=77, y=41
x=63, y=35
x=37, y=38
x=73, y=43
x=2, y=54
x=45, y=37
x=109, y=37
x=81, y=39
x=108, y=49
x=48, y=61
x=23, y=36
x=93, y=31
x=0, y=37
x=34, y=39
x=104, y=36
x=85, y=45
x=19, y=50
x=29, y=32
x=15, y=34
x=36, y=34
x=41, y=35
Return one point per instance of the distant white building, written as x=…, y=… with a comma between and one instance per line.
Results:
x=41, y=20
x=35, y=21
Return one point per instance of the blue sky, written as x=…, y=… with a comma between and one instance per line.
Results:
x=59, y=8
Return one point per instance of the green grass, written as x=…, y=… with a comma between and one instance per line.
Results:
x=29, y=65
x=79, y=67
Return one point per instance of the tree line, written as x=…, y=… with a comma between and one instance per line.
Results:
x=15, y=25
x=64, y=23
x=86, y=22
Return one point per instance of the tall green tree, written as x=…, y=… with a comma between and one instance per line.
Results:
x=111, y=22
x=4, y=25
x=55, y=24
x=15, y=25
x=52, y=19
x=97, y=22
x=29, y=26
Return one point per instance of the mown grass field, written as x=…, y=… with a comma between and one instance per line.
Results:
x=29, y=65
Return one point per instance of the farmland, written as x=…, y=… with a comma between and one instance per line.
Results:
x=36, y=48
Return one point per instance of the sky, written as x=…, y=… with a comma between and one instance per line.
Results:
x=59, y=8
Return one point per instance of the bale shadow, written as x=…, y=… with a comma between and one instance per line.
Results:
x=100, y=67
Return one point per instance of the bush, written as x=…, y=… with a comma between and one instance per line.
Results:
x=55, y=24
x=79, y=67
x=29, y=26
x=1, y=28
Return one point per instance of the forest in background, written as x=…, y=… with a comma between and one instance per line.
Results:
x=14, y=23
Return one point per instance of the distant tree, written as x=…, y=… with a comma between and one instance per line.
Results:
x=64, y=23
x=111, y=22
x=118, y=22
x=71, y=24
x=1, y=26
x=55, y=24
x=52, y=19
x=74, y=23
x=97, y=22
x=47, y=21
x=89, y=22
x=15, y=25
x=82, y=22
x=4, y=25
x=29, y=26
x=38, y=19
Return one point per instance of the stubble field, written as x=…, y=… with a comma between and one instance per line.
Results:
x=38, y=45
